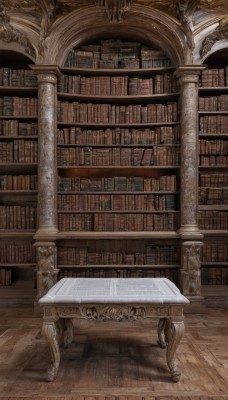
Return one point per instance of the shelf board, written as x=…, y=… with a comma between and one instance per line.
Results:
x=121, y=266
x=118, y=235
x=135, y=192
x=215, y=232
x=213, y=89
x=18, y=168
x=19, y=90
x=213, y=135
x=214, y=167
x=115, y=71
x=116, y=211
x=30, y=117
x=18, y=192
x=213, y=207
x=18, y=265
x=214, y=264
x=114, y=125
x=18, y=137
x=143, y=145
x=17, y=234
x=152, y=171
x=213, y=112
x=132, y=99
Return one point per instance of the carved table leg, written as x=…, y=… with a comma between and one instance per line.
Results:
x=69, y=332
x=51, y=334
x=175, y=330
x=162, y=340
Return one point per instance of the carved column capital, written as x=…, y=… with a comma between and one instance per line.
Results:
x=189, y=73
x=46, y=73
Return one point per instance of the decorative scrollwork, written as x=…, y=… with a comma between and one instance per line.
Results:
x=9, y=34
x=220, y=33
x=116, y=313
x=114, y=8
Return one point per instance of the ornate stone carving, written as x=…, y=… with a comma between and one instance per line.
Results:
x=114, y=8
x=220, y=33
x=191, y=252
x=114, y=312
x=46, y=275
x=9, y=34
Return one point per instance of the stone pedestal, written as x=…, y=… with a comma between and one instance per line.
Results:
x=190, y=268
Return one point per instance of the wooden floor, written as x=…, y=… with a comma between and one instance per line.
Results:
x=110, y=361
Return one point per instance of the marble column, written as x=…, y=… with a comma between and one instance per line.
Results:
x=47, y=167
x=188, y=77
x=190, y=279
x=47, y=178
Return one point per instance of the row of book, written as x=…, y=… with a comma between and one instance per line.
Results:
x=18, y=182
x=18, y=217
x=213, y=146
x=118, y=222
x=116, y=202
x=171, y=274
x=213, y=124
x=124, y=136
x=5, y=276
x=14, y=127
x=215, y=252
x=18, y=106
x=23, y=151
x=116, y=54
x=154, y=255
x=214, y=77
x=213, y=180
x=214, y=276
x=213, y=220
x=213, y=161
x=118, y=85
x=213, y=103
x=88, y=156
x=213, y=196
x=17, y=252
x=71, y=112
x=118, y=184
x=17, y=77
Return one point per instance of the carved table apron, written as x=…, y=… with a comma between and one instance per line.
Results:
x=119, y=299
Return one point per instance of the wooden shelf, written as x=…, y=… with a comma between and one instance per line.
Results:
x=136, y=235
x=119, y=125
x=115, y=71
x=111, y=171
x=121, y=266
x=162, y=97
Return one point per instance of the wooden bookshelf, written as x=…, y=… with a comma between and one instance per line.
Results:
x=118, y=162
x=18, y=169
x=213, y=176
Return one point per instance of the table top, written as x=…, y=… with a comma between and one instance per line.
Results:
x=114, y=290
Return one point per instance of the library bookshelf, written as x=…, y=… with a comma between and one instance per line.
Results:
x=110, y=199
x=18, y=169
x=118, y=157
x=213, y=171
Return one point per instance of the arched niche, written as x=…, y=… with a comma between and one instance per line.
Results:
x=14, y=58
x=219, y=56
x=152, y=28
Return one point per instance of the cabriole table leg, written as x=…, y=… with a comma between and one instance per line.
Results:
x=51, y=335
x=174, y=333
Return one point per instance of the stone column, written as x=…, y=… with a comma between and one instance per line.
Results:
x=188, y=77
x=47, y=178
x=190, y=277
x=47, y=165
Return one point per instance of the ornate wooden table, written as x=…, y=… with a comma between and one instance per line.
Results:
x=119, y=299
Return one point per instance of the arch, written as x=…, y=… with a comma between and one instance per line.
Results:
x=148, y=26
x=219, y=48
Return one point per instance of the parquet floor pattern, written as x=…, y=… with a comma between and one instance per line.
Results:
x=114, y=361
